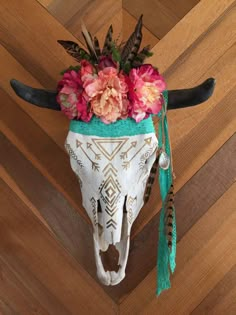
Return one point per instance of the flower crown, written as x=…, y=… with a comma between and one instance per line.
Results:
x=111, y=83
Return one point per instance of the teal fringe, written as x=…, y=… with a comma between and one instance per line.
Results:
x=166, y=258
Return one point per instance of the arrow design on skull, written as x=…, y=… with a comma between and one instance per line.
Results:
x=96, y=155
x=124, y=154
x=147, y=141
x=95, y=165
x=111, y=223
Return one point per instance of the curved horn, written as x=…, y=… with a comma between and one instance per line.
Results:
x=191, y=97
x=38, y=97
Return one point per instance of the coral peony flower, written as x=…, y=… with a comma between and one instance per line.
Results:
x=145, y=91
x=71, y=96
x=108, y=95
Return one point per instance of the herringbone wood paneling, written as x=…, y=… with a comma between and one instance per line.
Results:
x=46, y=257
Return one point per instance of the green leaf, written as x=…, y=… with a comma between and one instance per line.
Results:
x=115, y=53
x=75, y=68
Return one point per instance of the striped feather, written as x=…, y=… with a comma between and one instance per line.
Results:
x=88, y=40
x=74, y=50
x=150, y=180
x=107, y=47
x=169, y=216
x=96, y=46
x=131, y=47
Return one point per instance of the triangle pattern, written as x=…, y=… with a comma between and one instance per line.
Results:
x=109, y=147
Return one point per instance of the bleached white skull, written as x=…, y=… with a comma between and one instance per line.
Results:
x=112, y=163
x=113, y=172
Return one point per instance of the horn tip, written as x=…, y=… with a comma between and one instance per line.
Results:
x=210, y=83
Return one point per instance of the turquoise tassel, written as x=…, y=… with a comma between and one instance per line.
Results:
x=166, y=257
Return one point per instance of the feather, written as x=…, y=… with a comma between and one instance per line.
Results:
x=131, y=47
x=108, y=42
x=88, y=40
x=74, y=50
x=169, y=216
x=141, y=56
x=97, y=46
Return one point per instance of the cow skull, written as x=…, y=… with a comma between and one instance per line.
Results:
x=113, y=172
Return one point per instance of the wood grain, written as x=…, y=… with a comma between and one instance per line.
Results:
x=158, y=18
x=221, y=298
x=189, y=30
x=34, y=273
x=11, y=183
x=204, y=257
x=32, y=45
x=94, y=13
x=40, y=150
x=48, y=120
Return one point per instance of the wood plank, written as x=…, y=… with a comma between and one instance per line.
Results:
x=48, y=120
x=158, y=18
x=189, y=30
x=12, y=184
x=129, y=23
x=6, y=308
x=19, y=297
x=45, y=273
x=192, y=201
x=207, y=249
x=221, y=299
x=40, y=55
x=94, y=13
x=41, y=151
x=179, y=7
x=220, y=65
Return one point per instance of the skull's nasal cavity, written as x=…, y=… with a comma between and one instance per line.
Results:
x=110, y=259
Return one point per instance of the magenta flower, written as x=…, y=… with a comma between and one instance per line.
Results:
x=108, y=95
x=72, y=97
x=145, y=92
x=106, y=61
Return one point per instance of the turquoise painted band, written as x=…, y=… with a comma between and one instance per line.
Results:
x=120, y=128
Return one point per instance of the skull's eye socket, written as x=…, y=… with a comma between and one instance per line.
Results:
x=99, y=208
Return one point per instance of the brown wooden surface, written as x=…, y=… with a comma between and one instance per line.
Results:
x=46, y=256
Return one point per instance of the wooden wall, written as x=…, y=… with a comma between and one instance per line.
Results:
x=46, y=250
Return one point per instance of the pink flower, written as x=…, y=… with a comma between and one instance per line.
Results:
x=87, y=71
x=145, y=91
x=108, y=95
x=72, y=97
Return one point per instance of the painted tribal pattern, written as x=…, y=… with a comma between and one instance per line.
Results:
x=113, y=180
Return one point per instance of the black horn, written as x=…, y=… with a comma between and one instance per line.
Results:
x=191, y=97
x=38, y=97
